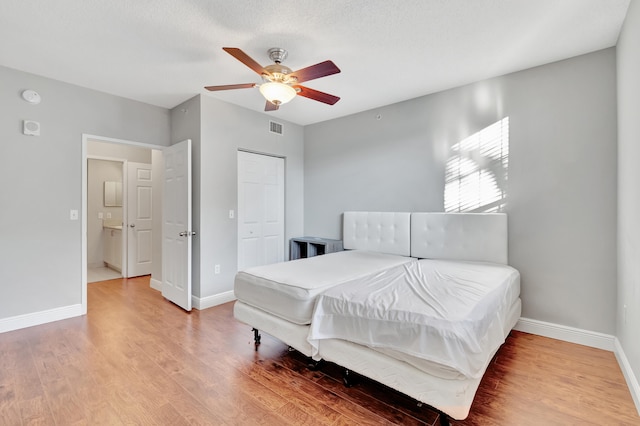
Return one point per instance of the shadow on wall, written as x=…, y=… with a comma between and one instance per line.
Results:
x=476, y=174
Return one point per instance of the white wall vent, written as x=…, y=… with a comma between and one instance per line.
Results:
x=275, y=127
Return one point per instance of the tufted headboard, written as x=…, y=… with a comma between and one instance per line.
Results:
x=460, y=236
x=383, y=232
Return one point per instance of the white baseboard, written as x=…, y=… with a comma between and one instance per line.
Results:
x=630, y=377
x=156, y=284
x=587, y=338
x=215, y=300
x=568, y=334
x=42, y=317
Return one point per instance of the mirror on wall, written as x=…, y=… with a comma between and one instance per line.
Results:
x=112, y=194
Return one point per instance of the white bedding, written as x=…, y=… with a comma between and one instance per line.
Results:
x=289, y=289
x=451, y=313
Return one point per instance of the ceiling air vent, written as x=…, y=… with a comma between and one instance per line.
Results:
x=275, y=127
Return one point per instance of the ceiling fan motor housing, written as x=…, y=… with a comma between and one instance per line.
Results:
x=278, y=73
x=277, y=54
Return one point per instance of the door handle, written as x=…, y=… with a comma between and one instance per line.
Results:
x=187, y=233
x=133, y=225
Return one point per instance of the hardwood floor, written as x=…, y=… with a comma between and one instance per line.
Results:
x=137, y=359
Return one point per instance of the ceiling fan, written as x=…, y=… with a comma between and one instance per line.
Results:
x=280, y=83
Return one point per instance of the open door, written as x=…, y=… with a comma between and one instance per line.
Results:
x=176, y=225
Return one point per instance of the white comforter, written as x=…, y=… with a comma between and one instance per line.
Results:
x=447, y=312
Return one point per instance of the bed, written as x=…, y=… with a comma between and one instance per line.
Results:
x=283, y=295
x=426, y=324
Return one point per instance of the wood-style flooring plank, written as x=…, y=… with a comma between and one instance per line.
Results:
x=35, y=411
x=135, y=358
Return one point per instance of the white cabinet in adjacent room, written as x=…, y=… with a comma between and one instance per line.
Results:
x=112, y=248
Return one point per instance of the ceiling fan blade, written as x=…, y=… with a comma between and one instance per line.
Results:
x=270, y=107
x=231, y=86
x=317, y=95
x=244, y=58
x=322, y=69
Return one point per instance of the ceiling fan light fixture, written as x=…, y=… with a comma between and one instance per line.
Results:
x=280, y=84
x=277, y=93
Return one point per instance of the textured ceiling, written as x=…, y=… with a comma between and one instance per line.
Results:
x=163, y=52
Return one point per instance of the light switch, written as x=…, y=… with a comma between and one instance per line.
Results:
x=100, y=215
x=232, y=214
x=108, y=215
x=73, y=214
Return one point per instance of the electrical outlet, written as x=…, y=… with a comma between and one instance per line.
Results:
x=73, y=214
x=100, y=215
x=108, y=215
x=217, y=269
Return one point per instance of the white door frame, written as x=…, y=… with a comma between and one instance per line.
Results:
x=83, y=237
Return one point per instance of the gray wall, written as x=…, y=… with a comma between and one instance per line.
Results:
x=220, y=132
x=120, y=151
x=628, y=188
x=561, y=196
x=41, y=249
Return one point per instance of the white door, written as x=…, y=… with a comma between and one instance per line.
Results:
x=260, y=210
x=139, y=219
x=176, y=225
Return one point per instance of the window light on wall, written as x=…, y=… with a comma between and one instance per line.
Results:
x=476, y=173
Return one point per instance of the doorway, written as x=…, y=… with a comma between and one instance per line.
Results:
x=120, y=153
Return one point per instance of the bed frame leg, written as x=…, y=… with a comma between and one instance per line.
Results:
x=348, y=378
x=314, y=365
x=444, y=419
x=256, y=337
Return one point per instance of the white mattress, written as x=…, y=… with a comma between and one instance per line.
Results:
x=289, y=289
x=450, y=313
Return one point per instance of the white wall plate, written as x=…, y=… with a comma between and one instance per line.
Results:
x=31, y=128
x=31, y=96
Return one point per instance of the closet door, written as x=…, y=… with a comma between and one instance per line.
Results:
x=260, y=210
